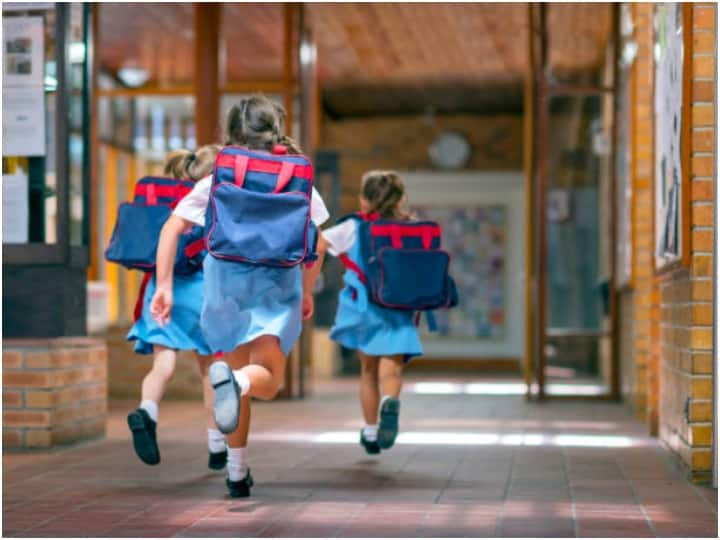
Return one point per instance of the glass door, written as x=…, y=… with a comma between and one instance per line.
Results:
x=577, y=344
x=573, y=221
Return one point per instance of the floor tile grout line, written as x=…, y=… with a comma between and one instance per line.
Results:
x=571, y=493
x=449, y=481
x=508, y=484
x=713, y=509
x=636, y=497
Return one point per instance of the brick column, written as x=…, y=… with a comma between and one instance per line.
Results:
x=699, y=413
x=645, y=297
x=54, y=392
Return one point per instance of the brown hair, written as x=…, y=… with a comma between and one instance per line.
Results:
x=191, y=165
x=385, y=192
x=259, y=123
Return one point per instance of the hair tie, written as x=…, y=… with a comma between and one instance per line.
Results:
x=192, y=157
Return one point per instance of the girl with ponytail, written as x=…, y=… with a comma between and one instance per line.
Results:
x=384, y=339
x=251, y=313
x=183, y=334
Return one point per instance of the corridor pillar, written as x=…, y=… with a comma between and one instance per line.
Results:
x=207, y=72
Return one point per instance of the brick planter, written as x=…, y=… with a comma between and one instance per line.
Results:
x=54, y=391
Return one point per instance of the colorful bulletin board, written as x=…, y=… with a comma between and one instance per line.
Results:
x=475, y=237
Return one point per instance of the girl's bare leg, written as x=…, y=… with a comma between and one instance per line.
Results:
x=369, y=390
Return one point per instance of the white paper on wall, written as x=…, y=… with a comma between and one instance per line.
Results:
x=15, y=208
x=23, y=130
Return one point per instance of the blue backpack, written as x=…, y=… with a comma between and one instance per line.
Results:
x=259, y=208
x=402, y=264
x=134, y=240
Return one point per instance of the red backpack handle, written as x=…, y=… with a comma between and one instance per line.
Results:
x=241, y=165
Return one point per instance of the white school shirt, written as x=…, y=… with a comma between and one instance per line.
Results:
x=341, y=237
x=193, y=206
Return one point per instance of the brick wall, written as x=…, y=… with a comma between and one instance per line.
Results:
x=54, y=392
x=126, y=370
x=686, y=314
x=628, y=380
x=403, y=142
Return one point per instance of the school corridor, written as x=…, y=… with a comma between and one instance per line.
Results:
x=568, y=153
x=474, y=459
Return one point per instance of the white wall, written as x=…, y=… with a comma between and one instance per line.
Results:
x=433, y=188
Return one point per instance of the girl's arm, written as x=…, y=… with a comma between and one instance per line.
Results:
x=162, y=301
x=310, y=276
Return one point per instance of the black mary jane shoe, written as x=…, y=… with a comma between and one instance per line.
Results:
x=371, y=447
x=240, y=488
x=143, y=430
x=217, y=460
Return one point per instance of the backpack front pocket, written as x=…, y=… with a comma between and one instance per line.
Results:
x=259, y=228
x=412, y=279
x=135, y=237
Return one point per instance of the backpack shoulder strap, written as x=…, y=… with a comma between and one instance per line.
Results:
x=346, y=261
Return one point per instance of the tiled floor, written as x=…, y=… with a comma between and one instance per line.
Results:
x=466, y=465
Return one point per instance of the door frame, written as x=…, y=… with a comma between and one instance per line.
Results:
x=539, y=90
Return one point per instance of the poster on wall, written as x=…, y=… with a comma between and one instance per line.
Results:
x=668, y=119
x=23, y=50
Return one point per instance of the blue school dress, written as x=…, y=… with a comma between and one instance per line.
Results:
x=183, y=331
x=245, y=301
x=372, y=329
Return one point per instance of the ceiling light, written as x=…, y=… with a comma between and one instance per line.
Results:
x=133, y=77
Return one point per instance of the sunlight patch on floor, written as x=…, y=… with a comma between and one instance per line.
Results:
x=464, y=438
x=502, y=388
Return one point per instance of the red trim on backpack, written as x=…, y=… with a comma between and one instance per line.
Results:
x=240, y=165
x=264, y=166
x=152, y=191
x=397, y=232
x=348, y=263
x=405, y=230
x=137, y=312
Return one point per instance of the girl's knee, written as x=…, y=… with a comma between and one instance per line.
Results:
x=163, y=371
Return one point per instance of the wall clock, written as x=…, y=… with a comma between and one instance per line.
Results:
x=450, y=150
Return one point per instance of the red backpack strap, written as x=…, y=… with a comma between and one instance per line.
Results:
x=151, y=194
x=194, y=248
x=348, y=263
x=137, y=312
x=284, y=177
x=241, y=165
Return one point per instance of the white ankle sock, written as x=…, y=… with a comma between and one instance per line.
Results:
x=242, y=380
x=237, y=463
x=370, y=432
x=151, y=407
x=216, y=441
